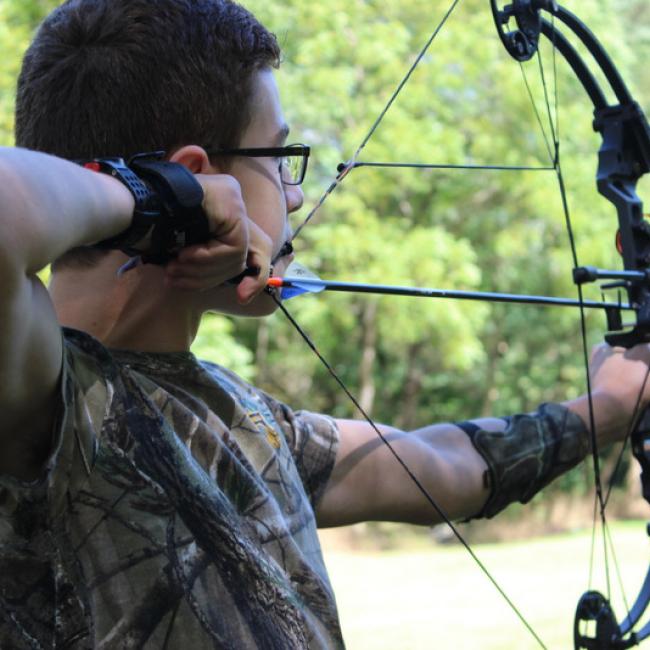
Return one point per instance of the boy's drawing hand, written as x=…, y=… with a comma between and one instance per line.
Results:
x=236, y=243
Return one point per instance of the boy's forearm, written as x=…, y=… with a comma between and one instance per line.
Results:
x=472, y=468
x=49, y=206
x=611, y=421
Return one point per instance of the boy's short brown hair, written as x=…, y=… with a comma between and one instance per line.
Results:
x=120, y=77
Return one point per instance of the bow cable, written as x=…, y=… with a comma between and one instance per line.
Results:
x=378, y=121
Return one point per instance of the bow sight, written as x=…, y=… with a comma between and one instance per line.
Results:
x=624, y=157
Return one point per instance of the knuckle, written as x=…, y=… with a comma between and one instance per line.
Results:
x=231, y=182
x=224, y=197
x=231, y=190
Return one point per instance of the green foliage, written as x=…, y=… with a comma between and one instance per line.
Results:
x=215, y=342
x=464, y=104
x=18, y=19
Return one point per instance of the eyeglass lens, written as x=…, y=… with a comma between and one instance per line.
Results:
x=292, y=168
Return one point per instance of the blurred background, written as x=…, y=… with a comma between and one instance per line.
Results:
x=415, y=361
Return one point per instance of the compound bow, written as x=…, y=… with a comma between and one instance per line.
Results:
x=624, y=158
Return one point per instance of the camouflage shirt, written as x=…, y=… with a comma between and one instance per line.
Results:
x=176, y=511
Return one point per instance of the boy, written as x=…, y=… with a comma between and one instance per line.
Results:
x=148, y=499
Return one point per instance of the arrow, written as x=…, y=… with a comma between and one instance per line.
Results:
x=295, y=286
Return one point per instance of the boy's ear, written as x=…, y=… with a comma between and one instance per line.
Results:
x=194, y=158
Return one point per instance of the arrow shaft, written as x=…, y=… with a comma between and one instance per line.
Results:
x=421, y=292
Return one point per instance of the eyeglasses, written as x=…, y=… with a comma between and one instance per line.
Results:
x=292, y=159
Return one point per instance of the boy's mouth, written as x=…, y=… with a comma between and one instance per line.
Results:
x=285, y=251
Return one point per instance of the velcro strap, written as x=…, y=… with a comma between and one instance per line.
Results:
x=183, y=222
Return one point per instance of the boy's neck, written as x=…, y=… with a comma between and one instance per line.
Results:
x=133, y=312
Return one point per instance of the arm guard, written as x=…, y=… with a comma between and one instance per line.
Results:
x=528, y=454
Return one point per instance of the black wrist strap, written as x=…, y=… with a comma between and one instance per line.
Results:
x=168, y=206
x=146, y=211
x=183, y=222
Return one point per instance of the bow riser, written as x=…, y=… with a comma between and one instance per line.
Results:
x=623, y=158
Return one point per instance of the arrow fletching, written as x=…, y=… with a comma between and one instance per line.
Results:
x=298, y=281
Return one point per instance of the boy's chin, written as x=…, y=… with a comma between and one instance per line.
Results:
x=226, y=303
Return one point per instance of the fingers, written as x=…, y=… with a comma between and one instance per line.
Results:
x=622, y=374
x=204, y=266
x=260, y=249
x=236, y=243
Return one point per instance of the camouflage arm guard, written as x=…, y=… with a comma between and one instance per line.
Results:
x=528, y=454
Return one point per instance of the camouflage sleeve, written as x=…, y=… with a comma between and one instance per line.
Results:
x=528, y=454
x=313, y=440
x=83, y=401
x=85, y=397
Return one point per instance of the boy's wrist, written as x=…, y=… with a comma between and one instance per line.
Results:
x=611, y=421
x=167, y=214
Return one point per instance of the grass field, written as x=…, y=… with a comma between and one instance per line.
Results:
x=438, y=598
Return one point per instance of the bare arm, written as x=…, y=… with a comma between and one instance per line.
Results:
x=367, y=482
x=47, y=206
x=50, y=205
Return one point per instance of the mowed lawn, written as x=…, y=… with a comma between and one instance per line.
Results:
x=438, y=598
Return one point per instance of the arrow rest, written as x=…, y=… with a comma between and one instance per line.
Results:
x=624, y=157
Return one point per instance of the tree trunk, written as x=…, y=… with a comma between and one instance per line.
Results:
x=407, y=417
x=368, y=354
